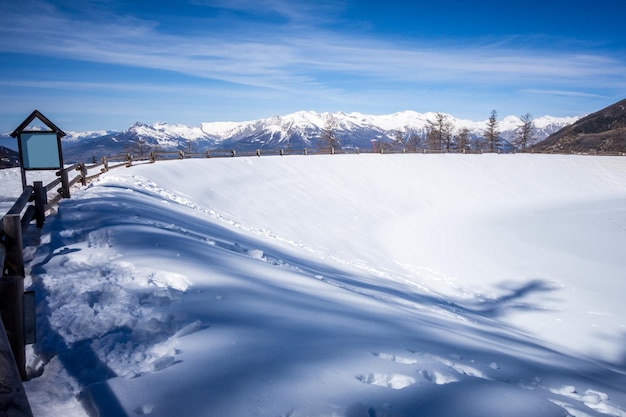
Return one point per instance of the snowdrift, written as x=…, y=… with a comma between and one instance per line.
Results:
x=347, y=285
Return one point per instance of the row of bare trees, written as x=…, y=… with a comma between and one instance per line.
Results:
x=440, y=135
x=524, y=134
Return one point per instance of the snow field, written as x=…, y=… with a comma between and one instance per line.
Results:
x=359, y=285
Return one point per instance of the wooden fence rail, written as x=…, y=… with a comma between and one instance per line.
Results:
x=9, y=242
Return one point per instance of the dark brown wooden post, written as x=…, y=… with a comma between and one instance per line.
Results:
x=14, y=243
x=65, y=183
x=3, y=254
x=13, y=400
x=12, y=313
x=41, y=199
x=83, y=173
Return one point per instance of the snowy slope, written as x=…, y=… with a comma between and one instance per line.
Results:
x=348, y=285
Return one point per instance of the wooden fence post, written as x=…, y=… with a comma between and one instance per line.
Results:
x=65, y=183
x=83, y=173
x=12, y=313
x=13, y=401
x=3, y=254
x=14, y=244
x=105, y=163
x=41, y=199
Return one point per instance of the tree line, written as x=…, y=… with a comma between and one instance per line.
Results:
x=439, y=136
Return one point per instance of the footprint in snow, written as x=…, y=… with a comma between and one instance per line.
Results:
x=163, y=362
x=393, y=358
x=436, y=377
x=144, y=409
x=596, y=400
x=393, y=381
x=433, y=374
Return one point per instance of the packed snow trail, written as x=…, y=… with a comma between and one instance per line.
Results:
x=351, y=286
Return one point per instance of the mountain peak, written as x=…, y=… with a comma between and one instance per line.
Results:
x=296, y=130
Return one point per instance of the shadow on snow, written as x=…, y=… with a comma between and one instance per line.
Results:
x=281, y=340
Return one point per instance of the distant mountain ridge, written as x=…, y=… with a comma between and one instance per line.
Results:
x=8, y=158
x=298, y=130
x=602, y=131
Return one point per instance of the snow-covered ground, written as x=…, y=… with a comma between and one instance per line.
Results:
x=346, y=285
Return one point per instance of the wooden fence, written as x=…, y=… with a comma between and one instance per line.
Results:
x=21, y=214
x=17, y=327
x=223, y=153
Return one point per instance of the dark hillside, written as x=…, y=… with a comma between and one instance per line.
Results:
x=8, y=158
x=602, y=131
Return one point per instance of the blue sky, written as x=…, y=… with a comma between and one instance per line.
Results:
x=105, y=64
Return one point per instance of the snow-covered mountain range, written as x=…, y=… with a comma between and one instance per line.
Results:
x=293, y=131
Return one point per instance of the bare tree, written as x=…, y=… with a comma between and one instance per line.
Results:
x=491, y=132
x=447, y=133
x=191, y=147
x=463, y=139
x=328, y=139
x=525, y=131
x=384, y=145
x=140, y=147
x=413, y=141
x=398, y=139
x=440, y=132
x=433, y=139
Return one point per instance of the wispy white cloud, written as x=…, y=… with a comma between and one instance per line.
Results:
x=292, y=59
x=561, y=93
x=295, y=11
x=301, y=55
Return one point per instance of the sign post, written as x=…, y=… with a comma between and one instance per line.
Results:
x=40, y=148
